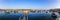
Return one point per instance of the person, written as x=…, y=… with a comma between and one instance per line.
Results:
x=58, y=19
x=54, y=16
x=21, y=17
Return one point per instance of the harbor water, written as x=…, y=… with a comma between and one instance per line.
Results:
x=31, y=16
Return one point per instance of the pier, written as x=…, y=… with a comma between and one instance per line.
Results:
x=26, y=14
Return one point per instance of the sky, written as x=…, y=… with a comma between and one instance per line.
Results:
x=29, y=4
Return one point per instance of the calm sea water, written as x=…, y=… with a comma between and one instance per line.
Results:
x=31, y=16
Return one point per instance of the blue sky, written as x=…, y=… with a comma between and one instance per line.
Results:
x=34, y=4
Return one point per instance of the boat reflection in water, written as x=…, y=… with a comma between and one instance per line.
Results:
x=25, y=15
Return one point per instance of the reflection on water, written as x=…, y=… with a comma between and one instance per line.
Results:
x=10, y=16
x=39, y=16
x=31, y=16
